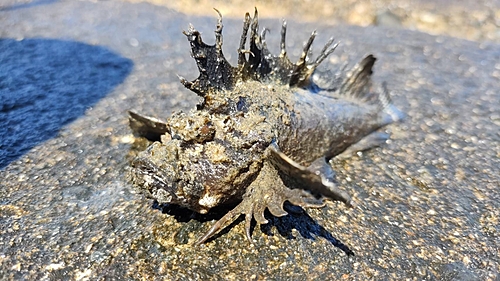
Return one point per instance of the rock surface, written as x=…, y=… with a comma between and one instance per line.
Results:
x=477, y=20
x=428, y=201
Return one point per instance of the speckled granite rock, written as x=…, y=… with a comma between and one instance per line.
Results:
x=428, y=202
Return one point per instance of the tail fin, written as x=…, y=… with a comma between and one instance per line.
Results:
x=384, y=99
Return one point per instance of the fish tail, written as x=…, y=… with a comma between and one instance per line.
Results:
x=393, y=114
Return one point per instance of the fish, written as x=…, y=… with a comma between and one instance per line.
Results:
x=263, y=132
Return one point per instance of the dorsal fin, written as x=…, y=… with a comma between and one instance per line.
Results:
x=358, y=81
x=258, y=51
x=215, y=70
x=217, y=74
x=303, y=71
x=257, y=63
x=356, y=86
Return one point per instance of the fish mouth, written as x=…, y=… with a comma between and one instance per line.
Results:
x=161, y=185
x=153, y=182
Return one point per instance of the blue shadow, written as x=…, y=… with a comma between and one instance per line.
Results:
x=47, y=83
x=27, y=5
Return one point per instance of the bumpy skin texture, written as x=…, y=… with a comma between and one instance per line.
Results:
x=263, y=134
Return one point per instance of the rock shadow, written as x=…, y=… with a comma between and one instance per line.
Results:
x=297, y=218
x=47, y=83
x=307, y=227
x=27, y=5
x=182, y=214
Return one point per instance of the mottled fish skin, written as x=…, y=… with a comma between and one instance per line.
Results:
x=263, y=133
x=326, y=126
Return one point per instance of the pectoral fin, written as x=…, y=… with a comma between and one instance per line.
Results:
x=319, y=177
x=147, y=126
x=370, y=141
x=267, y=191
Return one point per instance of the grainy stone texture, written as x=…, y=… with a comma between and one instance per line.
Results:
x=428, y=201
x=472, y=20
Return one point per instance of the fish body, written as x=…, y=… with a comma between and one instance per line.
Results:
x=263, y=133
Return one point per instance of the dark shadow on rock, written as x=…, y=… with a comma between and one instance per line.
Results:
x=456, y=271
x=307, y=227
x=185, y=215
x=193, y=219
x=296, y=219
x=47, y=83
x=27, y=5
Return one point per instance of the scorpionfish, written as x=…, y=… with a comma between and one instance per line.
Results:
x=263, y=132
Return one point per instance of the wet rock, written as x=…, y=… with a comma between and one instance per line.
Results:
x=426, y=200
x=456, y=271
x=46, y=83
x=472, y=20
x=388, y=19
